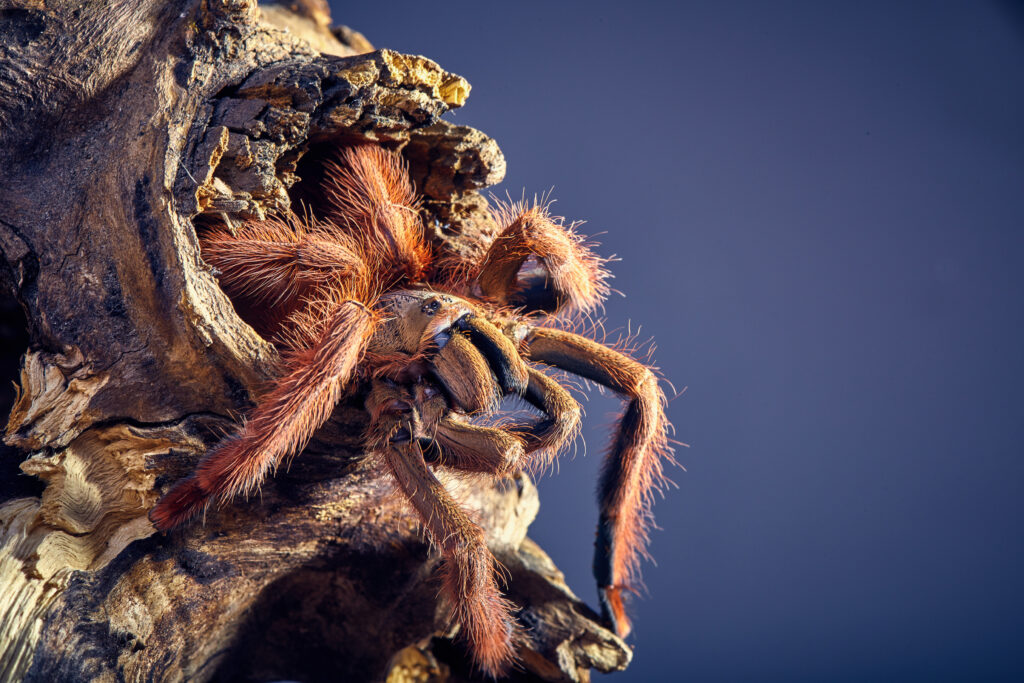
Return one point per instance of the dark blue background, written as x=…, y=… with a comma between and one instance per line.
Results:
x=820, y=214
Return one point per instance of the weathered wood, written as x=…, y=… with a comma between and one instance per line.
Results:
x=122, y=127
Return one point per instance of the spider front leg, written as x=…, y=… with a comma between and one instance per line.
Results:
x=314, y=375
x=477, y=363
x=566, y=275
x=633, y=467
x=468, y=569
x=459, y=366
x=560, y=422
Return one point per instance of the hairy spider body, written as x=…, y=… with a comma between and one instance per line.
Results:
x=357, y=302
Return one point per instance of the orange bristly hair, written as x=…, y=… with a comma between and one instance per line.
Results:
x=576, y=274
x=312, y=380
x=368, y=188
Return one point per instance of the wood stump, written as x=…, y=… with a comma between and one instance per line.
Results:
x=123, y=126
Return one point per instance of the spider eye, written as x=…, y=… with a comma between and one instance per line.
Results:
x=431, y=307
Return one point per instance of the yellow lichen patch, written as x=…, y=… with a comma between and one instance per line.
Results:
x=417, y=71
x=454, y=91
x=361, y=75
x=53, y=400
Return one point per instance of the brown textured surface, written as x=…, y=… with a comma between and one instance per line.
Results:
x=118, y=128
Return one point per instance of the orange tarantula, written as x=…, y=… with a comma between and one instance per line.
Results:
x=358, y=302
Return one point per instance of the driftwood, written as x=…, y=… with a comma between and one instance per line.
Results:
x=123, y=126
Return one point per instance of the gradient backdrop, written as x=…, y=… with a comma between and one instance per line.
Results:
x=819, y=209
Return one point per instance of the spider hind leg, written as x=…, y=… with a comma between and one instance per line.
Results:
x=368, y=188
x=268, y=267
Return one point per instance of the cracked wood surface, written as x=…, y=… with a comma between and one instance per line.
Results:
x=122, y=126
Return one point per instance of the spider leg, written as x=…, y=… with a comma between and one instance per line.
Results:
x=499, y=451
x=472, y=448
x=468, y=568
x=466, y=375
x=369, y=188
x=313, y=378
x=446, y=439
x=270, y=266
x=566, y=275
x=501, y=354
x=561, y=420
x=633, y=468
x=460, y=368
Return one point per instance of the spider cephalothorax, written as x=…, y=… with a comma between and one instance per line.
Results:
x=357, y=302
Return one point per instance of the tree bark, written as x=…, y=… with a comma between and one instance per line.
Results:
x=122, y=127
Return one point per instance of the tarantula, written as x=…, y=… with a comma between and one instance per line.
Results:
x=358, y=301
